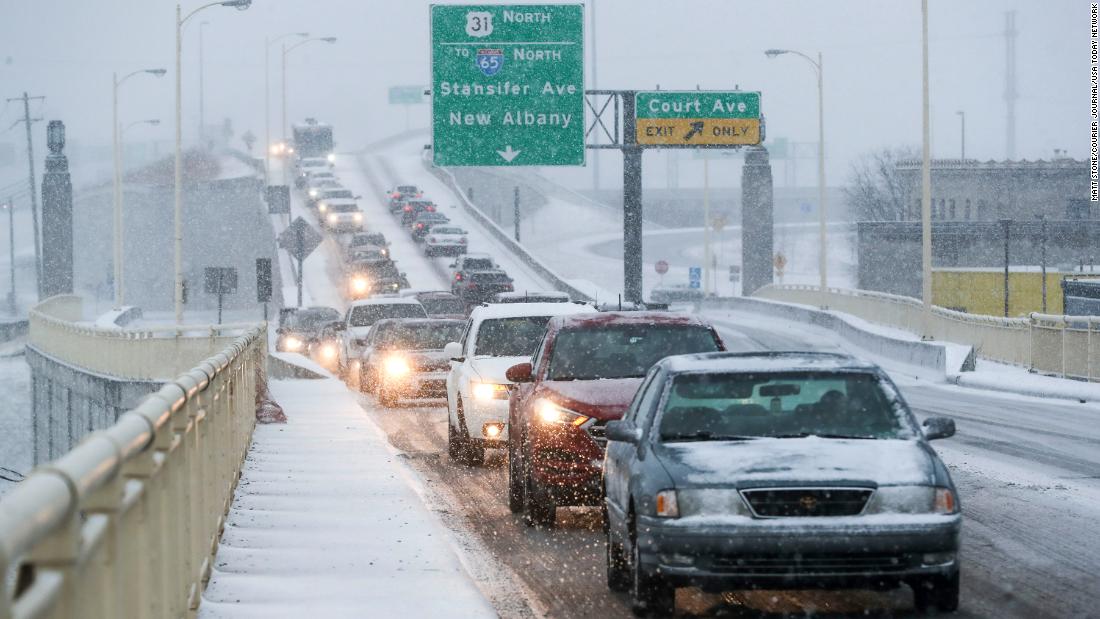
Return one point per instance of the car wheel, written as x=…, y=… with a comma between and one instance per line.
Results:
x=454, y=443
x=472, y=454
x=618, y=573
x=515, y=481
x=387, y=397
x=939, y=591
x=651, y=596
x=539, y=510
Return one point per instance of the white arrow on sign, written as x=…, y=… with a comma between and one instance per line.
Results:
x=508, y=154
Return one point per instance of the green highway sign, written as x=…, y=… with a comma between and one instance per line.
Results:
x=508, y=84
x=694, y=118
x=406, y=95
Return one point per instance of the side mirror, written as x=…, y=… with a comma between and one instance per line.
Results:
x=453, y=351
x=519, y=373
x=623, y=431
x=938, y=427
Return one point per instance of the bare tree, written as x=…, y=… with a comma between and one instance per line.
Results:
x=876, y=191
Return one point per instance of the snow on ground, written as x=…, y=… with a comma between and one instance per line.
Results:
x=16, y=433
x=325, y=523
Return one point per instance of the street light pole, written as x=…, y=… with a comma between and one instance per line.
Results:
x=926, y=183
x=962, y=132
x=268, y=42
x=117, y=189
x=178, y=198
x=11, y=254
x=823, y=237
x=287, y=50
x=202, y=98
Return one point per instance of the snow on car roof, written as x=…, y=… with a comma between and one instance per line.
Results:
x=765, y=362
x=631, y=318
x=385, y=301
x=519, y=310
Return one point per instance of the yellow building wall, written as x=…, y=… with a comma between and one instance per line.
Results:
x=982, y=292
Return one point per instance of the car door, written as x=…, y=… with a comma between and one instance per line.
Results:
x=621, y=461
x=458, y=377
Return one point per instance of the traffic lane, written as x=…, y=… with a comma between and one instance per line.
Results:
x=1019, y=557
x=565, y=566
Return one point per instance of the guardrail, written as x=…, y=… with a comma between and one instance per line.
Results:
x=126, y=524
x=149, y=353
x=519, y=250
x=1056, y=345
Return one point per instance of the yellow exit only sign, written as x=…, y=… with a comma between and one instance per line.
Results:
x=687, y=132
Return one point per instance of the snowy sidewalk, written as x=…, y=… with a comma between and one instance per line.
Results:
x=326, y=523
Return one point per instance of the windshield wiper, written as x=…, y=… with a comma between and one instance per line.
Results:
x=706, y=436
x=819, y=435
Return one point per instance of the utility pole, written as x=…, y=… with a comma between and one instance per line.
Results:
x=11, y=253
x=962, y=133
x=593, y=86
x=515, y=212
x=1007, y=223
x=926, y=186
x=202, y=102
x=1043, y=256
x=1010, y=85
x=27, y=120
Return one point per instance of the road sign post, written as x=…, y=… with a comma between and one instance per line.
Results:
x=299, y=239
x=508, y=85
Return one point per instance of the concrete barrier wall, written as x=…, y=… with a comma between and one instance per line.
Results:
x=11, y=329
x=925, y=355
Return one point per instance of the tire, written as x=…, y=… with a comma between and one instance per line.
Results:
x=515, y=482
x=618, y=569
x=454, y=443
x=387, y=398
x=538, y=510
x=941, y=592
x=651, y=596
x=472, y=454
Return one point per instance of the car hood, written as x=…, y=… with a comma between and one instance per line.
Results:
x=804, y=461
x=492, y=369
x=605, y=399
x=429, y=360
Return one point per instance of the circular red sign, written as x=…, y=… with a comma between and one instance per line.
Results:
x=661, y=267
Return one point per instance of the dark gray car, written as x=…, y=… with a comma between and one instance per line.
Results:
x=777, y=471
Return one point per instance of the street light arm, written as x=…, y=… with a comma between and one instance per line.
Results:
x=275, y=40
x=301, y=43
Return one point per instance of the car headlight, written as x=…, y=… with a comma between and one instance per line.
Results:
x=396, y=367
x=322, y=206
x=667, y=505
x=551, y=414
x=711, y=502
x=331, y=157
x=328, y=352
x=333, y=218
x=358, y=217
x=360, y=285
x=912, y=500
x=489, y=391
x=292, y=343
x=313, y=193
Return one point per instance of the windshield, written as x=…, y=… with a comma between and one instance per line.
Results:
x=446, y=230
x=510, y=337
x=623, y=351
x=343, y=208
x=312, y=319
x=421, y=336
x=835, y=405
x=444, y=305
x=406, y=189
x=368, y=239
x=367, y=315
x=339, y=193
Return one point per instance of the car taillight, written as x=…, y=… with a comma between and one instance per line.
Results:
x=430, y=209
x=408, y=209
x=419, y=226
x=508, y=286
x=395, y=195
x=458, y=277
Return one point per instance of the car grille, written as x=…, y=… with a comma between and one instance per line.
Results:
x=811, y=564
x=598, y=432
x=432, y=365
x=806, y=502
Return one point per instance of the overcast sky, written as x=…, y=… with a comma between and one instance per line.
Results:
x=67, y=49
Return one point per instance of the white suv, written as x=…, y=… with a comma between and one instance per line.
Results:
x=361, y=315
x=496, y=338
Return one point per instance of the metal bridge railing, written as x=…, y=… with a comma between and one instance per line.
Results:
x=149, y=353
x=126, y=524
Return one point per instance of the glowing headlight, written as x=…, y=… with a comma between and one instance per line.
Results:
x=328, y=352
x=358, y=217
x=313, y=193
x=360, y=285
x=331, y=157
x=292, y=343
x=396, y=367
x=552, y=414
x=489, y=391
x=333, y=218
x=322, y=206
